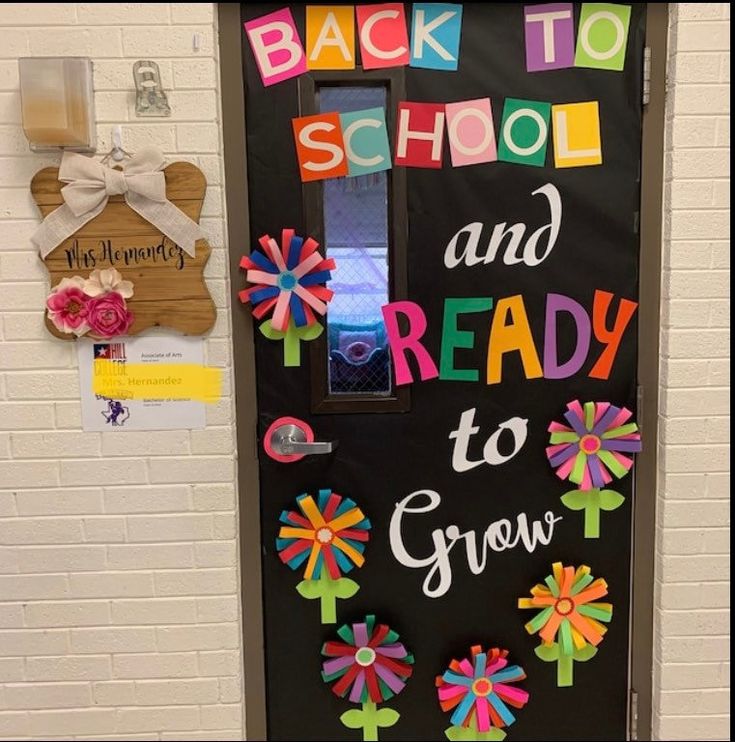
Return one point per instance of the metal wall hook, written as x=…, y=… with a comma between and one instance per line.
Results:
x=117, y=153
x=150, y=100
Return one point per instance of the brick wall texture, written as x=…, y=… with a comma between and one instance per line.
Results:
x=119, y=614
x=692, y=626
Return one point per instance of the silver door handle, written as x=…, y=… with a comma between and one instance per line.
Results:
x=290, y=446
x=289, y=439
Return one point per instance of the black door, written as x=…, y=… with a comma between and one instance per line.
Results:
x=463, y=522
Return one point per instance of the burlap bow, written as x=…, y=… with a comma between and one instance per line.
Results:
x=90, y=184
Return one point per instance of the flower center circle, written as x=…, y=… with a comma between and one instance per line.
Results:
x=287, y=281
x=564, y=606
x=365, y=656
x=324, y=535
x=482, y=687
x=73, y=307
x=590, y=444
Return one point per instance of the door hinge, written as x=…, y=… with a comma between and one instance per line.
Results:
x=639, y=407
x=633, y=715
x=646, y=75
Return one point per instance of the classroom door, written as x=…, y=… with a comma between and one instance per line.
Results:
x=506, y=278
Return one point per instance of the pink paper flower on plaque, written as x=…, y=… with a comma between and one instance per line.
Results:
x=105, y=281
x=594, y=445
x=67, y=306
x=108, y=315
x=289, y=281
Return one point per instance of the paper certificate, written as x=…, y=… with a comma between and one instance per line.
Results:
x=121, y=412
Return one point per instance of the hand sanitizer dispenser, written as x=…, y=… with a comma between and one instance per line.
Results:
x=57, y=101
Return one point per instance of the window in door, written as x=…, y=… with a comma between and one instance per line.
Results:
x=356, y=236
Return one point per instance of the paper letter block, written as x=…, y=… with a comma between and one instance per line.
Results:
x=471, y=132
x=319, y=146
x=549, y=36
x=420, y=135
x=366, y=141
x=524, y=132
x=399, y=344
x=383, y=35
x=576, y=134
x=330, y=37
x=602, y=36
x=435, y=35
x=276, y=46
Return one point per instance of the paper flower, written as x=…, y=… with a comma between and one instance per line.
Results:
x=478, y=691
x=67, y=306
x=594, y=445
x=369, y=665
x=588, y=452
x=105, y=281
x=289, y=281
x=328, y=537
x=108, y=315
x=568, y=621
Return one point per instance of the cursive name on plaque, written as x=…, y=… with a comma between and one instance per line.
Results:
x=104, y=252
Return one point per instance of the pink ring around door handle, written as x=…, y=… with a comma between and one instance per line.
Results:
x=286, y=458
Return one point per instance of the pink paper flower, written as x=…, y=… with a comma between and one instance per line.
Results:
x=67, y=306
x=108, y=315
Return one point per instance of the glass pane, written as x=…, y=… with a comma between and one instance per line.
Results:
x=356, y=236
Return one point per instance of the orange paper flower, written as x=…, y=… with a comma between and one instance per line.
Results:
x=569, y=615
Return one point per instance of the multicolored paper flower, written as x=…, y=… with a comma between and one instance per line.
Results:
x=289, y=281
x=329, y=536
x=369, y=665
x=587, y=452
x=477, y=691
x=594, y=445
x=568, y=618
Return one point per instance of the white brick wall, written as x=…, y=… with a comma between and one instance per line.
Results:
x=119, y=615
x=692, y=644
x=118, y=558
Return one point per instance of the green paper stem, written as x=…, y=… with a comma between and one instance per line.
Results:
x=592, y=502
x=328, y=591
x=460, y=734
x=565, y=671
x=369, y=722
x=592, y=515
x=564, y=663
x=369, y=719
x=328, y=607
x=292, y=339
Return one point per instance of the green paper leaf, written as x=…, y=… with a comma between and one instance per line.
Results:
x=547, y=652
x=586, y=653
x=610, y=499
x=292, y=339
x=345, y=588
x=309, y=589
x=575, y=499
x=465, y=733
x=352, y=719
x=386, y=717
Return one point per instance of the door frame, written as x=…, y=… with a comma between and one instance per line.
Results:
x=644, y=511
